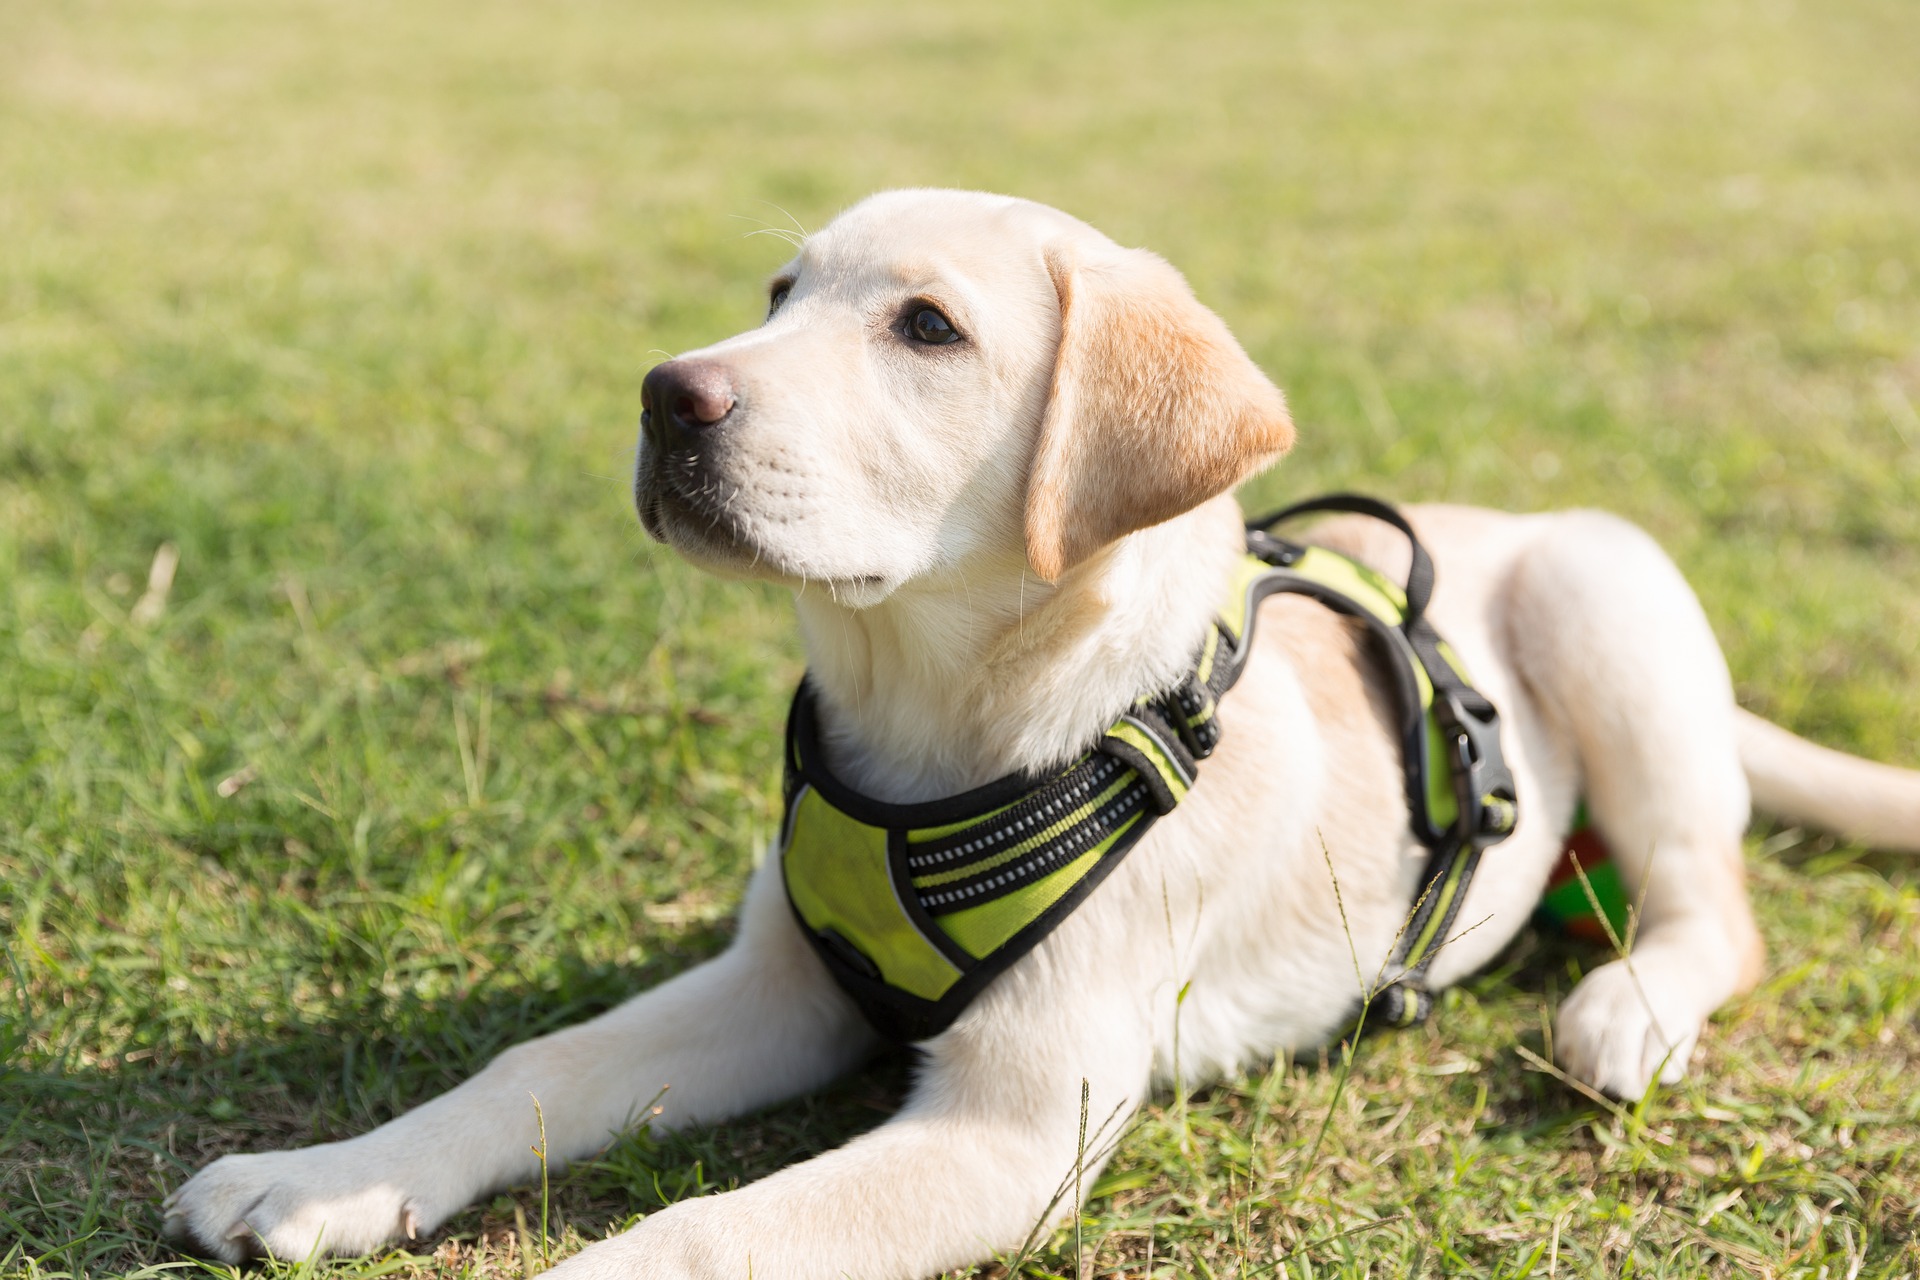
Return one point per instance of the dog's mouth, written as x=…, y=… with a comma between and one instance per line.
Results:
x=678, y=505
x=695, y=513
x=700, y=515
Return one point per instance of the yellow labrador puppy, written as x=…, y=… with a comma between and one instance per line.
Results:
x=992, y=451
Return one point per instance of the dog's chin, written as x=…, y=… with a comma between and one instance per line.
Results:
x=721, y=544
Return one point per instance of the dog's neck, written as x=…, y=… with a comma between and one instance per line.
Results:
x=941, y=688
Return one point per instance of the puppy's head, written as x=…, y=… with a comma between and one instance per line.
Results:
x=946, y=381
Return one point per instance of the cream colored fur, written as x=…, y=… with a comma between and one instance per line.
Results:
x=994, y=546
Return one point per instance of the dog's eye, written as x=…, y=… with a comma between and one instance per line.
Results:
x=779, y=295
x=929, y=326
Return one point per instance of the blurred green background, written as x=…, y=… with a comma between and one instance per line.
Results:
x=424, y=746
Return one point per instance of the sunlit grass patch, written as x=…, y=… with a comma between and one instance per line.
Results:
x=421, y=748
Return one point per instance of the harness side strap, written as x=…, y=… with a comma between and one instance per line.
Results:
x=1468, y=721
x=1419, y=576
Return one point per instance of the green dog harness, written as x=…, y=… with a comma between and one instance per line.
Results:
x=915, y=908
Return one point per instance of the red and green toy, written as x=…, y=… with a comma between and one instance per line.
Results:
x=1565, y=907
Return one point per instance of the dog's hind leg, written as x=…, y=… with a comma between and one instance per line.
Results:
x=1618, y=652
x=757, y=1024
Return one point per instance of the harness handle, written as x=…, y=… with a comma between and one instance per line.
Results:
x=1419, y=576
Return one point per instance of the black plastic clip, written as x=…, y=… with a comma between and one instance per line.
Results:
x=1275, y=551
x=1402, y=1004
x=1482, y=784
x=1193, y=711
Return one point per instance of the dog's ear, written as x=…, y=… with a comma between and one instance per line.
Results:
x=1155, y=408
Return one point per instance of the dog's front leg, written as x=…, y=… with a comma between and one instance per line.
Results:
x=984, y=1152
x=759, y=1023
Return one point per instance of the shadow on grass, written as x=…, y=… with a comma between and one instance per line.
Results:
x=88, y=1149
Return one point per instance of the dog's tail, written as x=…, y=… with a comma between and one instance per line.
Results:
x=1876, y=804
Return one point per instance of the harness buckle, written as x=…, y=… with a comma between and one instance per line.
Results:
x=1277, y=552
x=1482, y=784
x=1403, y=1004
x=1191, y=708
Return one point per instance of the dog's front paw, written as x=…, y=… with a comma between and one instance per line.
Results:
x=293, y=1205
x=696, y=1239
x=1622, y=1026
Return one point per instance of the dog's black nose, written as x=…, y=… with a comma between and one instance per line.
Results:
x=682, y=398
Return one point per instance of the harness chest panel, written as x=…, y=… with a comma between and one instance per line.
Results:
x=916, y=908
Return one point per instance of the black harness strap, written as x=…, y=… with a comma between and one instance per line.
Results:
x=1469, y=734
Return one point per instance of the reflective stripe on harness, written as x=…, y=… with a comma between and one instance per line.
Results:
x=916, y=908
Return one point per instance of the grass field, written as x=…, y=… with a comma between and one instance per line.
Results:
x=343, y=308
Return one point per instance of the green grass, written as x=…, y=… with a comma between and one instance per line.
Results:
x=427, y=749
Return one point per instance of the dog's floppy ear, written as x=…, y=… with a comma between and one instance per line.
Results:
x=1155, y=407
